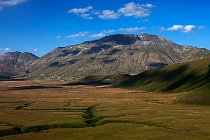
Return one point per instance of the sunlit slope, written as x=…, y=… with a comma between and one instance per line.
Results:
x=181, y=77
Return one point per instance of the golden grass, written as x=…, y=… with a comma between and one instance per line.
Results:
x=132, y=114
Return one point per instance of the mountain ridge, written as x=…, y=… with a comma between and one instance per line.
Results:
x=113, y=54
x=14, y=63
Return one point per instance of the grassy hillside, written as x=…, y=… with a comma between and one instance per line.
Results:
x=191, y=77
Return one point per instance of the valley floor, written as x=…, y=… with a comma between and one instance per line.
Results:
x=38, y=110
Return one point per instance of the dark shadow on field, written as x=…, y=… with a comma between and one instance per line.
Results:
x=32, y=87
x=96, y=80
x=9, y=78
x=89, y=80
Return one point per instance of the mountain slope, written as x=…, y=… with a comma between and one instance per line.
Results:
x=15, y=63
x=191, y=77
x=114, y=54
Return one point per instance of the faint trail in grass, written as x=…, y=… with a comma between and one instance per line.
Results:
x=147, y=123
x=73, y=109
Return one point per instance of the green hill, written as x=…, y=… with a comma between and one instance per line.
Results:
x=192, y=78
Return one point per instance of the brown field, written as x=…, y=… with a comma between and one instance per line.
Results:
x=46, y=110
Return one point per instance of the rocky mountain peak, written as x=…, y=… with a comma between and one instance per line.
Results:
x=113, y=54
x=129, y=39
x=15, y=62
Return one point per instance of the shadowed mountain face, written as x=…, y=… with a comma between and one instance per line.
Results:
x=114, y=54
x=15, y=63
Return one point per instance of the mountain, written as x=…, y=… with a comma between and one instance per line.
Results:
x=15, y=63
x=193, y=78
x=114, y=54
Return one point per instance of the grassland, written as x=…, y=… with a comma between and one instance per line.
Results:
x=191, y=78
x=47, y=110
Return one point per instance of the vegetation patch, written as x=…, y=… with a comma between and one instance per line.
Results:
x=56, y=64
x=73, y=61
x=114, y=51
x=68, y=52
x=23, y=106
x=98, y=49
x=109, y=61
x=90, y=116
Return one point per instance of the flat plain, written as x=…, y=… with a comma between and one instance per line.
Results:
x=49, y=110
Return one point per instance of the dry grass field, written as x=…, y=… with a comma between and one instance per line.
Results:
x=38, y=110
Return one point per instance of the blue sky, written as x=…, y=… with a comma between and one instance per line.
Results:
x=39, y=26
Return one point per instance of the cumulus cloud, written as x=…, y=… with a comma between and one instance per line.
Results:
x=35, y=50
x=5, y=49
x=103, y=33
x=109, y=14
x=189, y=28
x=175, y=27
x=80, y=10
x=86, y=16
x=148, y=5
x=80, y=34
x=108, y=32
x=131, y=9
x=98, y=35
x=183, y=28
x=9, y=3
x=135, y=29
x=135, y=10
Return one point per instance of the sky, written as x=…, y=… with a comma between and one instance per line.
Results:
x=39, y=26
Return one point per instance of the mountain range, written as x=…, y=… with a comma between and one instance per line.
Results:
x=110, y=55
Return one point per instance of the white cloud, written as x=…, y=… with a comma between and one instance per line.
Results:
x=131, y=9
x=135, y=10
x=103, y=33
x=5, y=49
x=108, y=32
x=148, y=5
x=175, y=27
x=9, y=3
x=86, y=16
x=80, y=34
x=183, y=28
x=109, y=14
x=35, y=50
x=98, y=35
x=189, y=28
x=135, y=29
x=80, y=10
